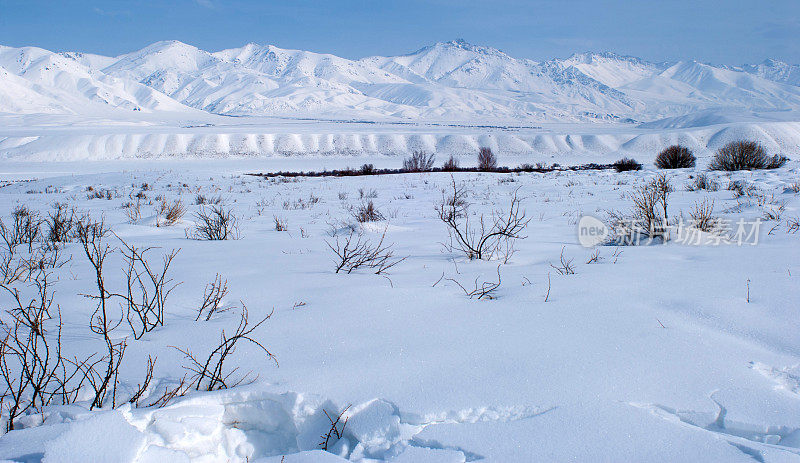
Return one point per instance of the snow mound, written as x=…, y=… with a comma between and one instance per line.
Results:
x=777, y=137
x=241, y=426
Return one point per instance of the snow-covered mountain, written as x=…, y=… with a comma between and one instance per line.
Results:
x=447, y=81
x=37, y=80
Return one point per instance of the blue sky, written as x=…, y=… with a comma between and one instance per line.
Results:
x=723, y=31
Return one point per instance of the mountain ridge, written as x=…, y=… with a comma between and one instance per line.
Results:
x=450, y=81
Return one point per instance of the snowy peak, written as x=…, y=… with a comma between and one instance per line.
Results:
x=612, y=69
x=72, y=85
x=774, y=70
x=175, y=55
x=453, y=81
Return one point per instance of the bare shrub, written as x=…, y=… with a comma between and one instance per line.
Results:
x=209, y=373
x=281, y=224
x=33, y=371
x=702, y=182
x=367, y=169
x=40, y=252
x=646, y=201
x=484, y=240
x=25, y=228
x=142, y=387
x=367, y=194
x=355, y=251
x=419, y=161
x=60, y=224
x=487, y=161
x=793, y=225
x=213, y=297
x=649, y=218
x=133, y=211
x=702, y=216
x=334, y=431
x=170, y=212
x=792, y=188
x=102, y=374
x=215, y=224
x=773, y=209
x=565, y=266
x=742, y=188
x=484, y=290
x=367, y=212
x=675, y=157
x=201, y=200
x=627, y=164
x=451, y=164
x=147, y=289
x=745, y=155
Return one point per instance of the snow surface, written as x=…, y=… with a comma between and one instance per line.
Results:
x=651, y=354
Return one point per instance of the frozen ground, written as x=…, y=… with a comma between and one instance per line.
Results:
x=652, y=353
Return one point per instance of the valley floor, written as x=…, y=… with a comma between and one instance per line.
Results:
x=670, y=352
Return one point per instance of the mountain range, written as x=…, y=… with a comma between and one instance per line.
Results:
x=447, y=81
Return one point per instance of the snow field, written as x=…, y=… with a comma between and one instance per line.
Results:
x=650, y=353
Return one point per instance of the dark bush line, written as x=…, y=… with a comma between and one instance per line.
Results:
x=626, y=164
x=374, y=171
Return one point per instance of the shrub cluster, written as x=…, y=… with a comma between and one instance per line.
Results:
x=675, y=157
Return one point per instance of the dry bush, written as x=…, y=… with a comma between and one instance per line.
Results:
x=792, y=188
x=24, y=250
x=650, y=205
x=142, y=387
x=565, y=266
x=355, y=251
x=675, y=157
x=702, y=216
x=773, y=209
x=649, y=219
x=487, y=161
x=281, y=224
x=25, y=228
x=133, y=211
x=745, y=155
x=209, y=373
x=170, y=212
x=742, y=188
x=484, y=290
x=101, y=374
x=147, y=289
x=201, y=200
x=486, y=239
x=60, y=224
x=793, y=225
x=367, y=212
x=702, y=182
x=627, y=164
x=213, y=297
x=450, y=165
x=215, y=224
x=419, y=161
x=33, y=371
x=367, y=194
x=334, y=431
